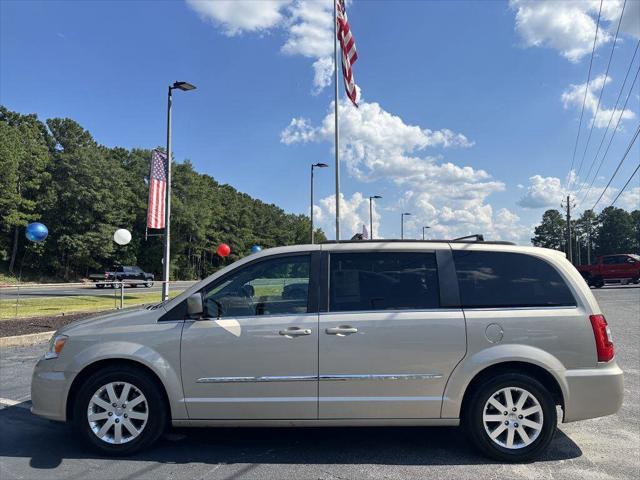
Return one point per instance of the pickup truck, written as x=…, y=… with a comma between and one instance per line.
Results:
x=622, y=268
x=129, y=275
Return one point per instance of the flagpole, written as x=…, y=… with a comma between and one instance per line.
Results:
x=167, y=212
x=335, y=103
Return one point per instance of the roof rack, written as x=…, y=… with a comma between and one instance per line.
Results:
x=395, y=240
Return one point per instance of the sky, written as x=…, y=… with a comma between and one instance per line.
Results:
x=468, y=114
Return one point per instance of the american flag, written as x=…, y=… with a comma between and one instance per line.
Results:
x=157, y=190
x=348, y=47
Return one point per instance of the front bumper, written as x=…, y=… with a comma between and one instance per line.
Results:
x=593, y=392
x=49, y=391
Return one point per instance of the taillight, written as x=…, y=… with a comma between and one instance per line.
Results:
x=602, y=334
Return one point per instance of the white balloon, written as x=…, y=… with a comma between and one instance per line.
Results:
x=122, y=236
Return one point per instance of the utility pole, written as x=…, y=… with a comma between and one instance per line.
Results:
x=568, y=205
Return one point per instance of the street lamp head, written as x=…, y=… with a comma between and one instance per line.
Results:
x=406, y=213
x=184, y=86
x=376, y=196
x=320, y=165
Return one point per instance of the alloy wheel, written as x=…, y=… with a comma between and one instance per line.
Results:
x=118, y=413
x=513, y=418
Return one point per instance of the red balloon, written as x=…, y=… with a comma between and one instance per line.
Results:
x=224, y=250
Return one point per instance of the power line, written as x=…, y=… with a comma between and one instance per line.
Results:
x=618, y=167
x=586, y=89
x=612, y=136
x=604, y=83
x=625, y=185
x=613, y=112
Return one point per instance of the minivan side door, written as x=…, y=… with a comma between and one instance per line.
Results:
x=390, y=333
x=254, y=355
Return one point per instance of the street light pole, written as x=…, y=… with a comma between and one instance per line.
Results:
x=184, y=86
x=423, y=229
x=319, y=165
x=402, y=224
x=371, y=214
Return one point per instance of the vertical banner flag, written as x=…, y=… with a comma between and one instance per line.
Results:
x=157, y=190
x=348, y=47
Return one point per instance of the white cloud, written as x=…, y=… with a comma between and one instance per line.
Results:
x=236, y=17
x=377, y=146
x=307, y=25
x=543, y=192
x=575, y=95
x=354, y=213
x=630, y=199
x=569, y=26
x=548, y=192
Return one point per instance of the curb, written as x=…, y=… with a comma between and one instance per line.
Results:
x=23, y=340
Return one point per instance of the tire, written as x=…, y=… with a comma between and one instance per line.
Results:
x=539, y=401
x=149, y=284
x=598, y=282
x=99, y=285
x=152, y=405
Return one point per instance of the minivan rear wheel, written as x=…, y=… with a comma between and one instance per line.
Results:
x=119, y=410
x=511, y=417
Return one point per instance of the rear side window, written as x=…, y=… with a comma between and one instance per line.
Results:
x=383, y=281
x=500, y=279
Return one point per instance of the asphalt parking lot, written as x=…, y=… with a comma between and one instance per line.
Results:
x=604, y=448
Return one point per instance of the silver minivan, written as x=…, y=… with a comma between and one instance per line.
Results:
x=487, y=335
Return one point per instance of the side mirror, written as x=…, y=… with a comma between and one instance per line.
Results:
x=194, y=306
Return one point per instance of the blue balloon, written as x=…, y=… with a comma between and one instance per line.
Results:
x=256, y=249
x=36, y=232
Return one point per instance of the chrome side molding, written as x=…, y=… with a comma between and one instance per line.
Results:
x=293, y=378
x=391, y=376
x=309, y=378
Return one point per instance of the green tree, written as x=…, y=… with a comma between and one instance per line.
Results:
x=616, y=234
x=551, y=232
x=635, y=219
x=83, y=192
x=24, y=156
x=586, y=230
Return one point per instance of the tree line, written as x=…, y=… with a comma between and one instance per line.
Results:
x=54, y=172
x=614, y=230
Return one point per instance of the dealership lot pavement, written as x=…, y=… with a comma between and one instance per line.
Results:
x=604, y=448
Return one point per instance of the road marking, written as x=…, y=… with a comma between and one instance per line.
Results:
x=7, y=402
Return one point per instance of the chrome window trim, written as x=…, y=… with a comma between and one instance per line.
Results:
x=309, y=378
x=503, y=309
x=396, y=310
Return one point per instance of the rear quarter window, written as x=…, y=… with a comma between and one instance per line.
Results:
x=505, y=279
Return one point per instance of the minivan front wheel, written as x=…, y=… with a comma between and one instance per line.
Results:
x=119, y=411
x=512, y=418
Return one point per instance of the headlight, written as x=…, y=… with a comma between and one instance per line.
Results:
x=55, y=346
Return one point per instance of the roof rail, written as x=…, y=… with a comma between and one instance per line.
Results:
x=478, y=238
x=395, y=240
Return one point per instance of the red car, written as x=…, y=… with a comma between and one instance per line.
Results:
x=622, y=268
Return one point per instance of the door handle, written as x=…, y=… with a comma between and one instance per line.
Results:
x=342, y=330
x=295, y=332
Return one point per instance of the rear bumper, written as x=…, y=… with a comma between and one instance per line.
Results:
x=593, y=392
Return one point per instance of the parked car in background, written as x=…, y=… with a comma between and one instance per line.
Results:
x=623, y=268
x=487, y=335
x=129, y=275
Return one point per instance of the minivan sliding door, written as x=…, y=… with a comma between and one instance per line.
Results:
x=388, y=341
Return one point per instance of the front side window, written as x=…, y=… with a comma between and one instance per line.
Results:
x=610, y=260
x=504, y=279
x=278, y=286
x=383, y=281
